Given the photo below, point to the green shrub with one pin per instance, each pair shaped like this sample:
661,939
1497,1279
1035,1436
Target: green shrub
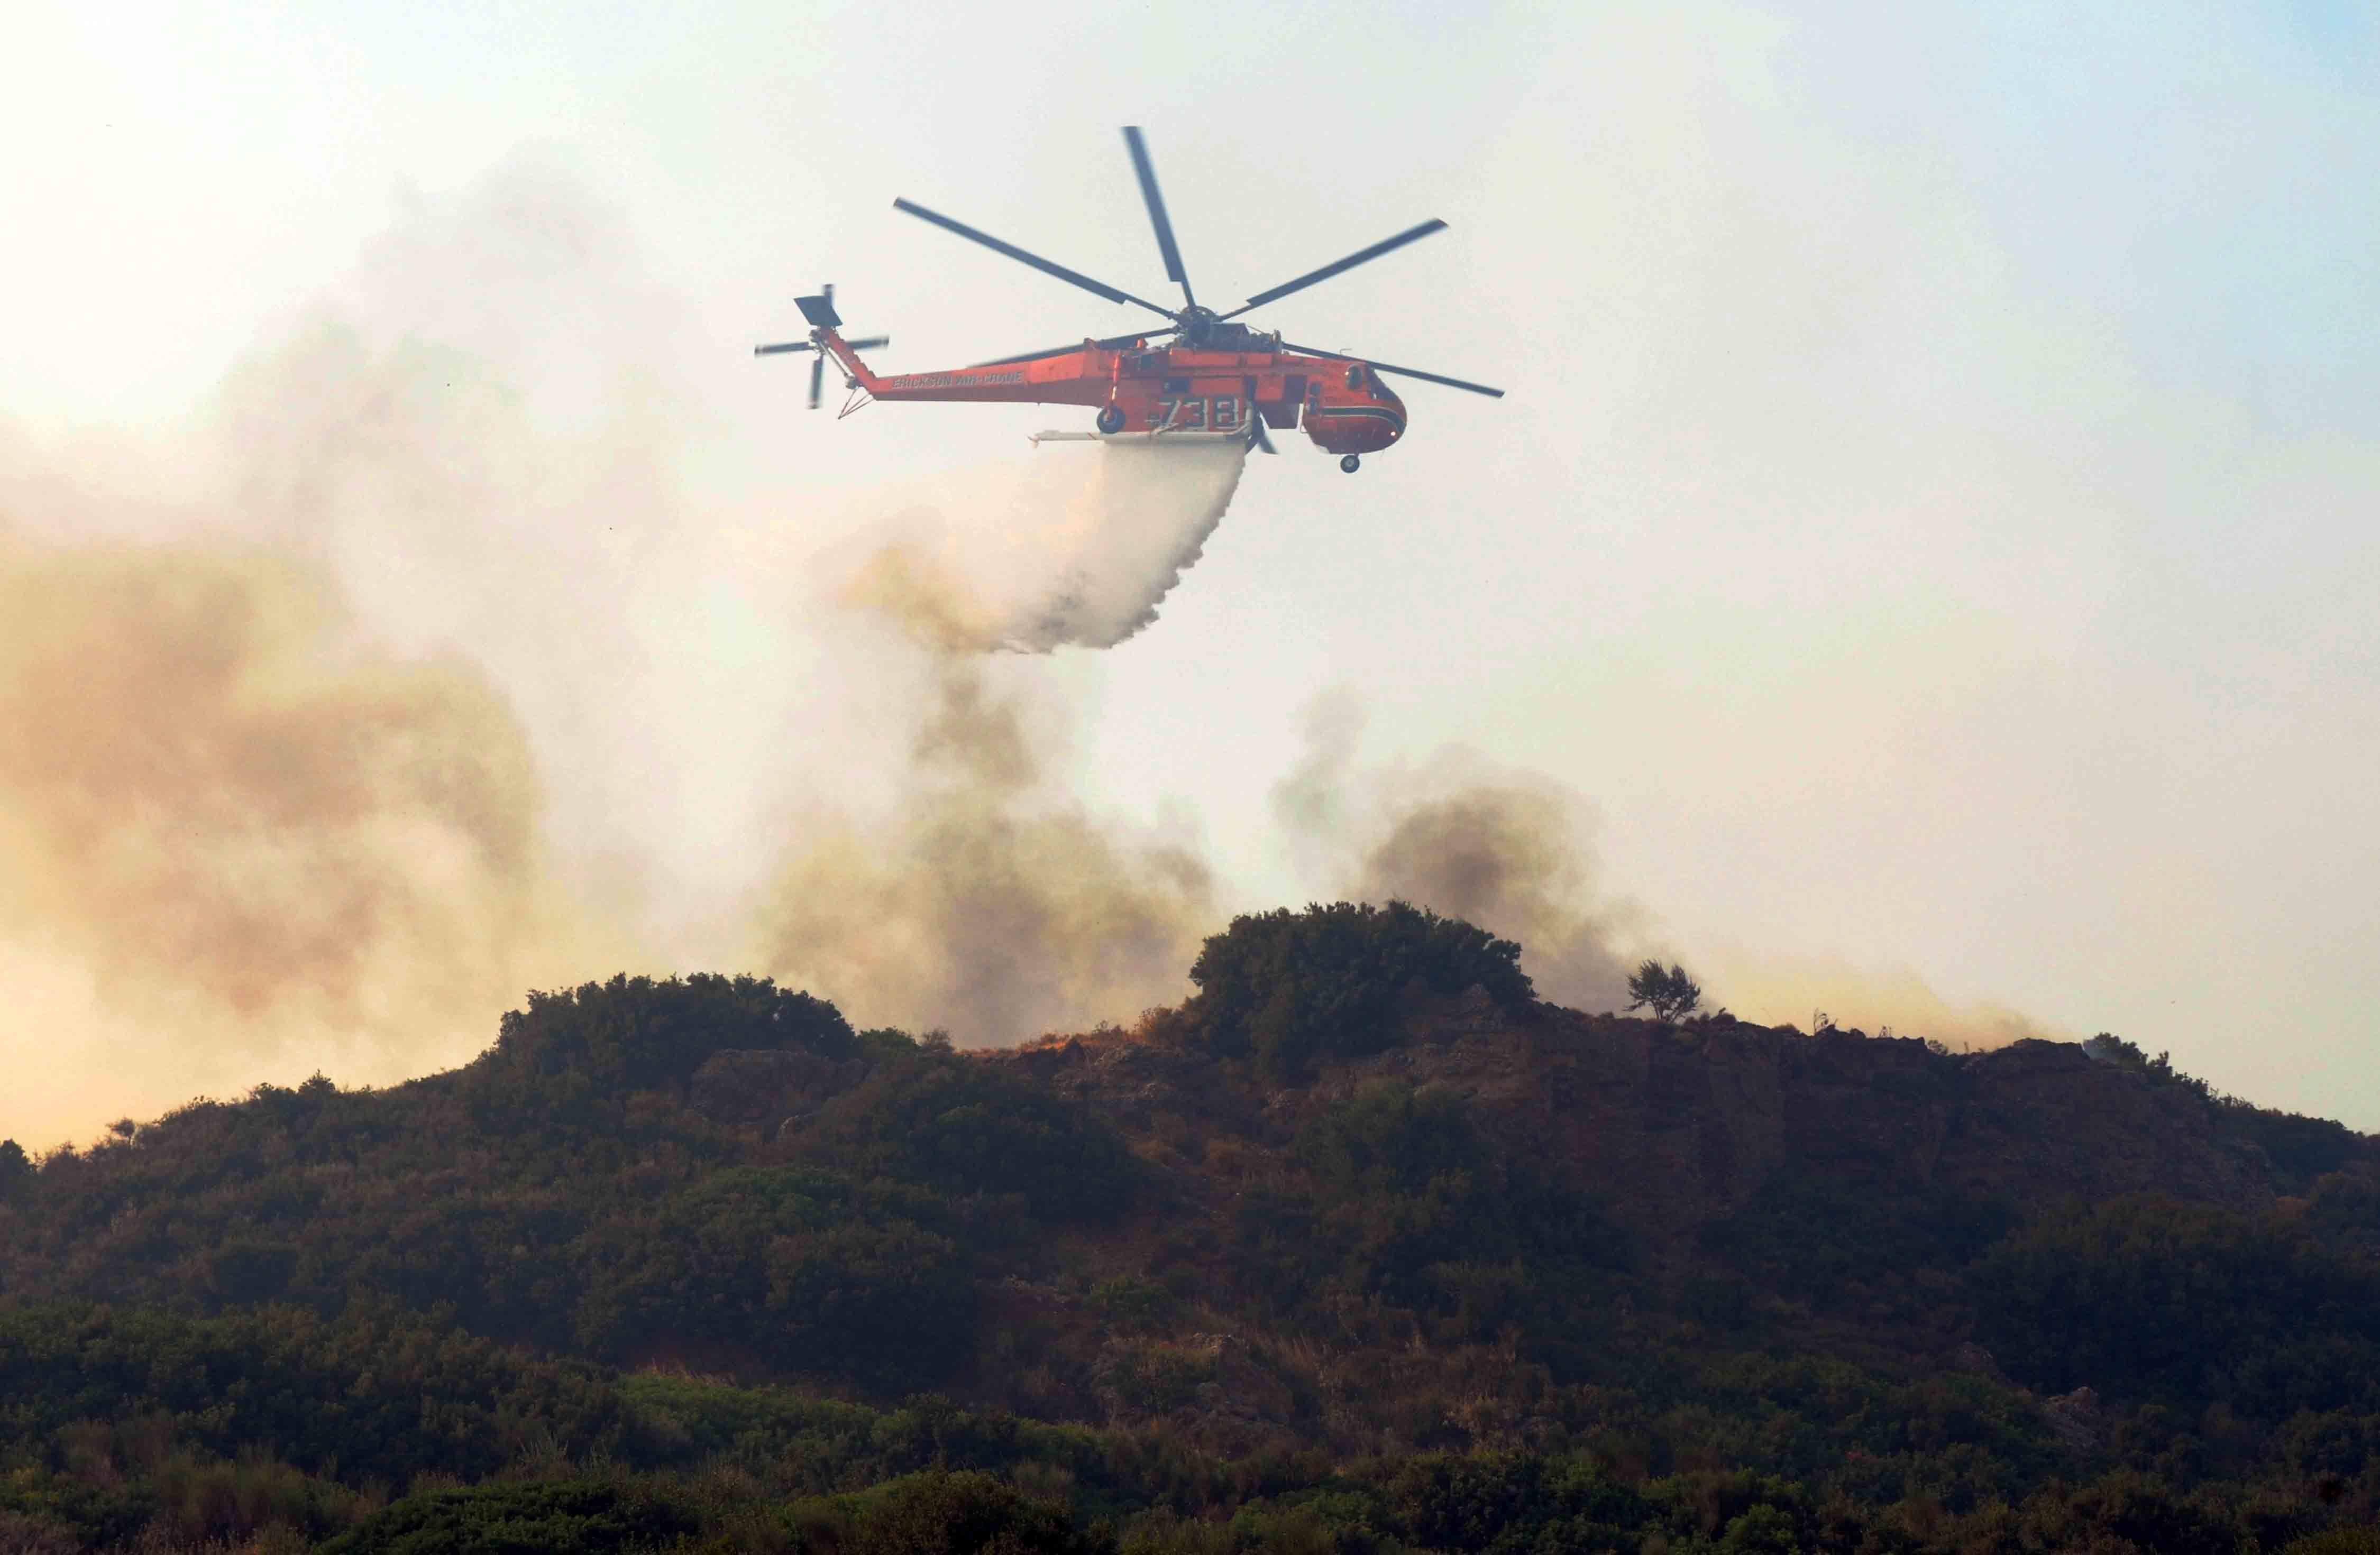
1415,1204
556,1516
2363,1540
808,1269
940,1512
2137,1508
385,1393
2302,1148
1808,1232
637,1034
1153,1378
951,1122
2183,1302
1288,988
1508,1501
248,1270
1424,1184
1130,1299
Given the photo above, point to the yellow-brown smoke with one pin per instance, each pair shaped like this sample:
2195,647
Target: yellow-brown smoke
971,891
223,814
1779,989
981,897
1513,854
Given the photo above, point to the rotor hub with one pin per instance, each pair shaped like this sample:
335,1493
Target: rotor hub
1197,325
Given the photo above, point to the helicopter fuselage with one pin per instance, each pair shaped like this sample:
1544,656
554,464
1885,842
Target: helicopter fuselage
1341,402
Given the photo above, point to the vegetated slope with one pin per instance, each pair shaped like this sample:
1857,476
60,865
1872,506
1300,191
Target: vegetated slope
1361,1245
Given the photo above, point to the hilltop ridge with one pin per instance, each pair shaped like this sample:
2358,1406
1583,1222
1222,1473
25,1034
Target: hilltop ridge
1362,1198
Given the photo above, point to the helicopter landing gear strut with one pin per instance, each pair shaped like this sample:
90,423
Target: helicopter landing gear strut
1110,420
1350,463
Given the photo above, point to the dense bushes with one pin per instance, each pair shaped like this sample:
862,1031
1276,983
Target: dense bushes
599,1517
1418,1184
633,1033
804,1270
378,1389
2300,1148
1411,1203
311,1425
1288,988
535,1199
941,1512
1411,1272
1819,1237
2184,1302
936,1511
1508,1502
943,1121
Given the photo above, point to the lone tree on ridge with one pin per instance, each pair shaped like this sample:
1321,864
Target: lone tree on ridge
1669,995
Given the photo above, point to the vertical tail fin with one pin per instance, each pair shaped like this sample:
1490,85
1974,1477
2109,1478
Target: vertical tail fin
824,342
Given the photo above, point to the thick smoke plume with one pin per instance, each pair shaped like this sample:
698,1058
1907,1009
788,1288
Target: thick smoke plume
286,692
976,894
980,897
206,788
1510,854
233,834
973,893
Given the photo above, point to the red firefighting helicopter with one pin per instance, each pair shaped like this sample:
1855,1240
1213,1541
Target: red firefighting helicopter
1219,382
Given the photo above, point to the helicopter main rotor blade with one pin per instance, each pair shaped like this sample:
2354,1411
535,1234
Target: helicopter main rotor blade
1076,278
780,346
1141,165
1068,350
1402,373
818,378
1363,256
870,343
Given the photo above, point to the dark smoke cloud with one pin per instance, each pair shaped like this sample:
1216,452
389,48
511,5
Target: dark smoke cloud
982,898
1509,853
1511,857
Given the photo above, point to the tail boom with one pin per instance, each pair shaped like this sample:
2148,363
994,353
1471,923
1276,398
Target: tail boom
1084,378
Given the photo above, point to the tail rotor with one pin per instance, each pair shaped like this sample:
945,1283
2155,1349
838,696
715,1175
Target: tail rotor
819,311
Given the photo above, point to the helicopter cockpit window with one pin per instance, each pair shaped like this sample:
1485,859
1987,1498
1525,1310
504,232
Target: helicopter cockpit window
1355,375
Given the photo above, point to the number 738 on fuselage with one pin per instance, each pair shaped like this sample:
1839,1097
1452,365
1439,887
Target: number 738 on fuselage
1215,381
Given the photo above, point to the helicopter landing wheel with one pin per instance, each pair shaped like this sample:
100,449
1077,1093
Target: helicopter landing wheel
1351,463
1110,420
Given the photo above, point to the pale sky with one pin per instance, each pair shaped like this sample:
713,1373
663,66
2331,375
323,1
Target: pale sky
1930,524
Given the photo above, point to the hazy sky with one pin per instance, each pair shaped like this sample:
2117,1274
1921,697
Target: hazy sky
1930,525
